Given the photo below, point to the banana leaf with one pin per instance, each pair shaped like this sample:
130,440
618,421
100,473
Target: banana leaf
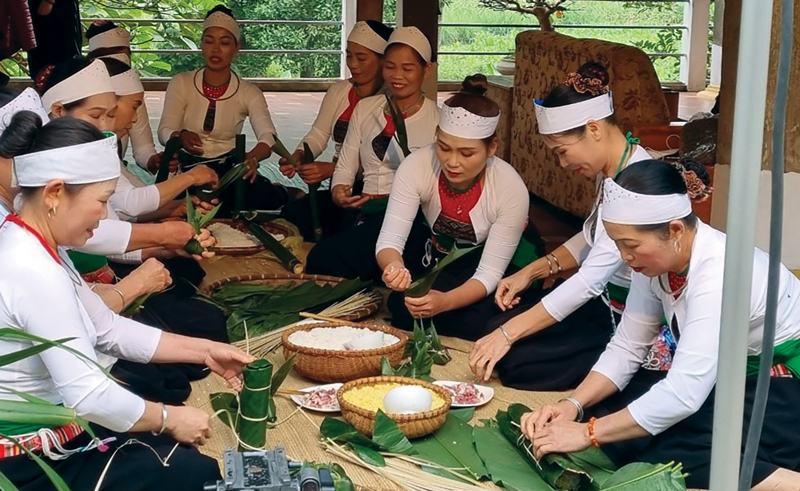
313,200
417,366
465,414
258,407
7,485
197,221
421,286
280,376
234,175
368,455
505,463
640,476
387,435
17,335
279,148
401,133
288,259
33,400
256,216
343,432
136,306
58,483
170,149
451,446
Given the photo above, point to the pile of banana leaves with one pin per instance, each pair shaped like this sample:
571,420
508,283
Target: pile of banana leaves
496,450
264,308
422,351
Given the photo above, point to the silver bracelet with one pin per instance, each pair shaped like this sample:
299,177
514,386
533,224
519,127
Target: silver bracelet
505,335
577,405
164,415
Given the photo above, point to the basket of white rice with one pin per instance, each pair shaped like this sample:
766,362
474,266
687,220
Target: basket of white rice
331,352
234,237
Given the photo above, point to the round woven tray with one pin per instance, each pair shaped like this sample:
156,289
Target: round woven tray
342,366
283,278
412,425
242,226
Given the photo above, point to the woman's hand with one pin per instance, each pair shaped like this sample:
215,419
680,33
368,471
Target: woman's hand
207,241
486,353
396,276
152,276
315,172
252,169
154,163
342,197
188,425
228,362
435,302
204,206
202,175
507,294
175,234
536,421
191,142
561,437
288,169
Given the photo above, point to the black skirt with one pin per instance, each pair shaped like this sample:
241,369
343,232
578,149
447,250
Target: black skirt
333,219
689,441
560,356
135,468
258,195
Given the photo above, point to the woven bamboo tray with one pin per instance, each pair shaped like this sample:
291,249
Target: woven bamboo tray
242,226
412,425
342,366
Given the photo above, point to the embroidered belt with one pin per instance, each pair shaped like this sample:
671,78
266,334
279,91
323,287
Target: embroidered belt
35,441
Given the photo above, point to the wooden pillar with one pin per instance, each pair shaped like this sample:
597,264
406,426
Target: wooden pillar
424,15
370,10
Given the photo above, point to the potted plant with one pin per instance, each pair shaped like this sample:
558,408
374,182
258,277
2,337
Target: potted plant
543,10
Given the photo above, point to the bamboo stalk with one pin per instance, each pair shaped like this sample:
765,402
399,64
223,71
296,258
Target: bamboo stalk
284,256
170,149
325,318
291,392
313,201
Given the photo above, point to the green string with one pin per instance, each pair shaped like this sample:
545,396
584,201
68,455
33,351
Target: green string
629,142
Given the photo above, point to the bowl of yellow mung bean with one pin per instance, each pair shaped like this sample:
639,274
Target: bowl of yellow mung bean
361,399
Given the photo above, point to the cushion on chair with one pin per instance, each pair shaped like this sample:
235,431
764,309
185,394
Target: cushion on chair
543,60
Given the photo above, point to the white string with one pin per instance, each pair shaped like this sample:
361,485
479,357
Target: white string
133,441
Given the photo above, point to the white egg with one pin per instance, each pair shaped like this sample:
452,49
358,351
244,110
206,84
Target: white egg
408,399
371,340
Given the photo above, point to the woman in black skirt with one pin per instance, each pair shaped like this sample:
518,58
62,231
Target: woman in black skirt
678,268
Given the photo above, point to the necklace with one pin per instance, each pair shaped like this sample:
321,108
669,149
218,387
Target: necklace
216,99
629,142
410,110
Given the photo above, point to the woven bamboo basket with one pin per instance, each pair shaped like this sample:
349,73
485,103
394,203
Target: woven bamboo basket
241,226
412,425
342,366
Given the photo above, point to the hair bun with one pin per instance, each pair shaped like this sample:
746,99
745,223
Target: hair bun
591,78
476,84
697,179
221,8
20,134
99,27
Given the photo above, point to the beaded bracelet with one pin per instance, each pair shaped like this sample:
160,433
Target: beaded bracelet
592,436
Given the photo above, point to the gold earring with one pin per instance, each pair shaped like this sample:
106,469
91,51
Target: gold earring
677,246
51,213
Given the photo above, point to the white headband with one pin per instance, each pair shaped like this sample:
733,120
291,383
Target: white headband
113,38
461,123
124,58
559,119
87,163
225,21
127,83
28,100
628,208
411,36
90,81
363,34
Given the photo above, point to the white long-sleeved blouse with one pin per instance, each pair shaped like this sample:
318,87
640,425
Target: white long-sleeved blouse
357,152
697,315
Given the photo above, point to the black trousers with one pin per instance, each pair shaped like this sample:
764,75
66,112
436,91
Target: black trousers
351,253
689,441
334,219
176,311
58,34
135,468
559,357
258,195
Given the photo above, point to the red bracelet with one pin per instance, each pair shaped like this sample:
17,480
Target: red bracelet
592,437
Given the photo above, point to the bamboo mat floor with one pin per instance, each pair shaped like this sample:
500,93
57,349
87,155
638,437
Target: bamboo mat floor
298,430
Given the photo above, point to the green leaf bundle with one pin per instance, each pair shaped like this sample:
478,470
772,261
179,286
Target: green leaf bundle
279,148
504,462
386,437
235,174
640,476
197,220
421,286
284,256
401,133
313,200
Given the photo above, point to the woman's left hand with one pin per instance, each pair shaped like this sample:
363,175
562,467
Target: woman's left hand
252,173
487,352
207,241
428,306
228,362
315,172
560,436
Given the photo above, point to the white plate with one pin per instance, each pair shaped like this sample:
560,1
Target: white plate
487,392
299,399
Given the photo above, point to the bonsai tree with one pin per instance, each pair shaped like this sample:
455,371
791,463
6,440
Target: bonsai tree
541,9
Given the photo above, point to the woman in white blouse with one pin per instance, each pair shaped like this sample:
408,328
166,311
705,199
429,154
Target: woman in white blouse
207,108
678,263
371,147
469,197
66,178
551,342
365,47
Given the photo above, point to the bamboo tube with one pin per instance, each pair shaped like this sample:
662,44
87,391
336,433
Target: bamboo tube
170,149
313,202
284,256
